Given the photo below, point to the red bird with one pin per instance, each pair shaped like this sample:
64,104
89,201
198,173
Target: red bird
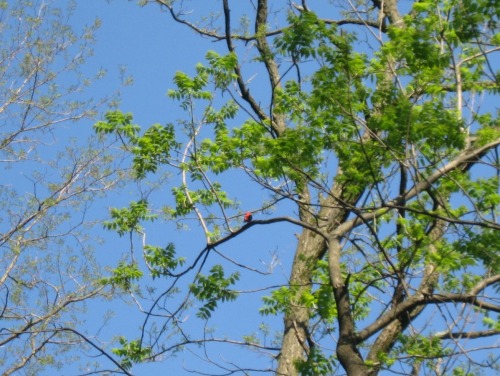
248,217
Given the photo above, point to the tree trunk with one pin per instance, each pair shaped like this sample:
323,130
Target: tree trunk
311,248
347,352
295,339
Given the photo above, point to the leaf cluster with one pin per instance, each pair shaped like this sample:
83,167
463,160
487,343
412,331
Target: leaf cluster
123,276
162,260
131,352
127,220
151,149
212,289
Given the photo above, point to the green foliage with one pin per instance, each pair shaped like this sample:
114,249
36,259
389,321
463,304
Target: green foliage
459,371
490,130
123,276
127,220
221,68
185,204
280,301
319,300
131,352
447,259
299,40
323,302
162,261
420,345
153,148
481,245
492,323
468,15
150,150
317,364
485,193
190,88
117,122
218,118
213,288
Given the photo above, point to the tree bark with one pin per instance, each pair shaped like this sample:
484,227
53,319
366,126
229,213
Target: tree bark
347,352
311,248
295,338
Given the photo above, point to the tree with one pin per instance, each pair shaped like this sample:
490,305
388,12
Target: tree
50,176
373,128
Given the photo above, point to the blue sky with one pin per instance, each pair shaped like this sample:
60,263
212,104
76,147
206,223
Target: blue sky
147,44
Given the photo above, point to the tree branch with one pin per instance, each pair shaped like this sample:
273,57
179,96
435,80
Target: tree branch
463,160
420,299
468,335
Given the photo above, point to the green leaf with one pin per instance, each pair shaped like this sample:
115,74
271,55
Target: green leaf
162,261
127,220
213,289
123,276
131,352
